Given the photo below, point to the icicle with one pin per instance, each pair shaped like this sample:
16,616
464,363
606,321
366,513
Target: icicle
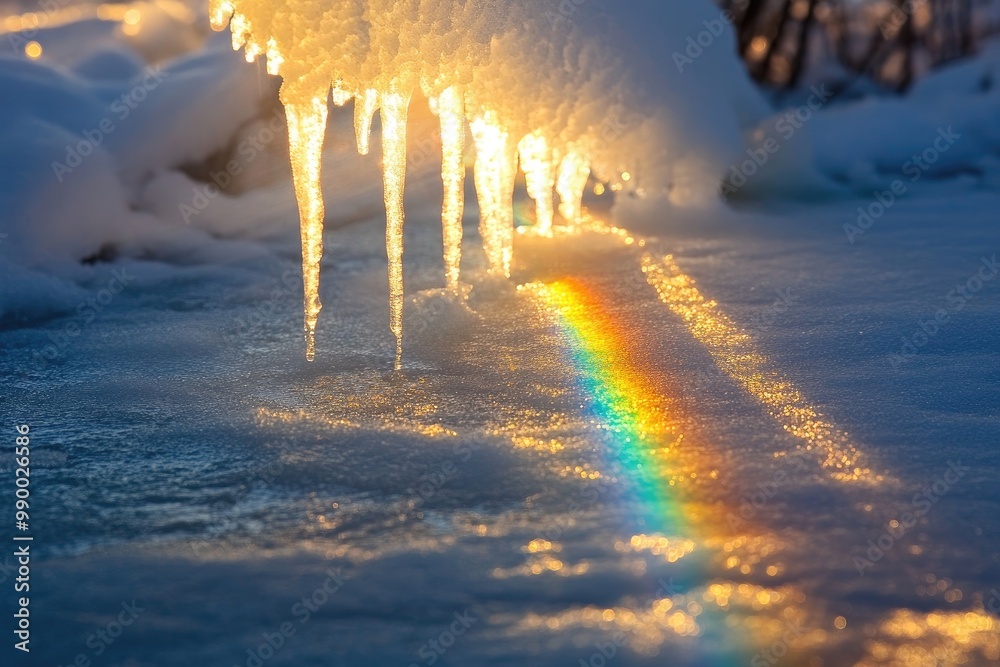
340,96
573,174
540,178
394,112
220,11
306,131
365,106
274,57
508,180
252,50
496,171
451,110
240,28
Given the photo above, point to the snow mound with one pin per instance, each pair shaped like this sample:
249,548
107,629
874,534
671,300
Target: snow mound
944,128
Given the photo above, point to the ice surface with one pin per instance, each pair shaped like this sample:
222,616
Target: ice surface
481,480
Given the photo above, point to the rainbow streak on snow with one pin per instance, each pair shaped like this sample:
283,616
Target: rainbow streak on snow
625,401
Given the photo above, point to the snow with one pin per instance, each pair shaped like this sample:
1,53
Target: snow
188,458
856,147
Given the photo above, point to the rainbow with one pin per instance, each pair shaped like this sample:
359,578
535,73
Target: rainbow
623,400
627,401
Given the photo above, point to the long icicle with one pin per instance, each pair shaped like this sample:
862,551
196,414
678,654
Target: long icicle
495,170
306,131
394,113
508,181
540,179
365,106
573,174
451,111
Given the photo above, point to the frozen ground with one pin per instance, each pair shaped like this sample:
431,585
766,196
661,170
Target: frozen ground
575,468
203,468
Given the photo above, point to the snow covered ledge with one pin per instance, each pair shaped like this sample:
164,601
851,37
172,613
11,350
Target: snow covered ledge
565,97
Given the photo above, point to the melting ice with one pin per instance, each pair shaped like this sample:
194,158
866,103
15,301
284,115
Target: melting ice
530,92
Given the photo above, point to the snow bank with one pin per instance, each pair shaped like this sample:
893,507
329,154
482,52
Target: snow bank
945,127
80,139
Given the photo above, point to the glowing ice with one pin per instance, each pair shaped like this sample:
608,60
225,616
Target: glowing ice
394,108
491,61
573,174
364,113
451,110
306,129
536,162
496,169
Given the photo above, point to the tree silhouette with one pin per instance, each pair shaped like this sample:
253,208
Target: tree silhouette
891,41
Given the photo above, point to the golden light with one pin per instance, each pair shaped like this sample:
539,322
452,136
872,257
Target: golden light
33,50
306,130
910,637
758,45
130,16
496,169
626,176
574,172
556,160
450,108
599,189
800,9
734,353
539,173
394,113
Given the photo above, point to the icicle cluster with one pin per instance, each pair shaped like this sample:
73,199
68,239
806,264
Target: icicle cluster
531,88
